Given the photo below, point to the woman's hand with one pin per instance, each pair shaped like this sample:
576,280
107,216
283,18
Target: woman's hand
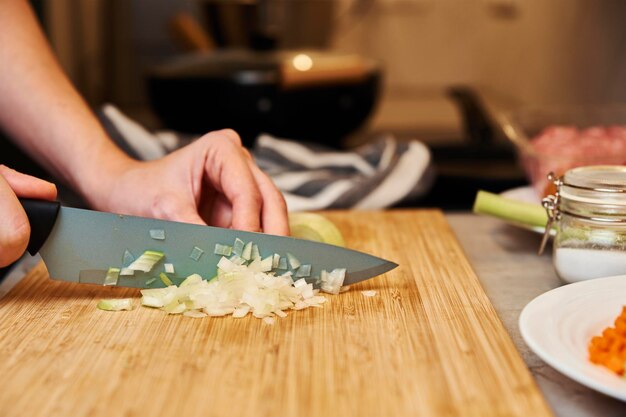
14,226
212,181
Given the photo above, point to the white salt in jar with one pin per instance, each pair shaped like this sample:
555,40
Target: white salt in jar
589,212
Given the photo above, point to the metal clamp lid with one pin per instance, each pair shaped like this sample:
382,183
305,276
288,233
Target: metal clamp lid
551,204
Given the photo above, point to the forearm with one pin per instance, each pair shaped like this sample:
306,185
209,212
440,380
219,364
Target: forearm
43,113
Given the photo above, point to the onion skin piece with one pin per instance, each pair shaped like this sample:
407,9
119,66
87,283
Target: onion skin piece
313,226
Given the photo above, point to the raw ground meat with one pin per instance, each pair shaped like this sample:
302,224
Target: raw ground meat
559,148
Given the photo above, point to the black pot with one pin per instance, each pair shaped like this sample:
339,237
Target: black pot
244,91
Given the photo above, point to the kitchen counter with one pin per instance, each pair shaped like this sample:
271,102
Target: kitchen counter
428,343
505,260
512,274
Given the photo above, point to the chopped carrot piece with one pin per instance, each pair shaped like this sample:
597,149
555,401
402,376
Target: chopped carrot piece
598,342
615,364
609,349
609,333
620,326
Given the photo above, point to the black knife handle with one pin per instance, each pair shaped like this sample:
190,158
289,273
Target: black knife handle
41,215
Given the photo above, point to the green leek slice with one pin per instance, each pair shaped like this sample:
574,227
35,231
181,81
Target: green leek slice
146,261
520,212
166,280
112,276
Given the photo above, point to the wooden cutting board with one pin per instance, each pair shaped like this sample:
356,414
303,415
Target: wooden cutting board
428,344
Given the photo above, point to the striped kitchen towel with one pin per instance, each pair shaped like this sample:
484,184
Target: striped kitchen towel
380,174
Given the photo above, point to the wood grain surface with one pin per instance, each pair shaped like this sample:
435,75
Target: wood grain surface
428,344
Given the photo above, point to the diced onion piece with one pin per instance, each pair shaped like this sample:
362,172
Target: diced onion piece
344,288
275,261
150,301
294,263
300,283
303,271
169,268
255,252
254,265
146,261
112,276
223,250
259,265
332,282
191,280
196,253
369,293
166,280
128,258
157,297
282,264
195,314
247,251
238,247
280,313
241,311
268,320
226,265
237,260
124,272
218,312
287,274
158,234
307,292
175,307
150,281
115,304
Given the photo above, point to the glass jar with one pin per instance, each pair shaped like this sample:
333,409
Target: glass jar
589,212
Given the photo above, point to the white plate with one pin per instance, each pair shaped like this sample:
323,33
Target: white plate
559,324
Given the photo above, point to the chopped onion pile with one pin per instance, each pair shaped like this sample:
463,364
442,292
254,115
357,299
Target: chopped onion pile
238,290
245,284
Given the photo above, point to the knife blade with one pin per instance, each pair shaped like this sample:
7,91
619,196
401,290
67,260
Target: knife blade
79,245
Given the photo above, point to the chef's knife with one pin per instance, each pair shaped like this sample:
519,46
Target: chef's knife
81,245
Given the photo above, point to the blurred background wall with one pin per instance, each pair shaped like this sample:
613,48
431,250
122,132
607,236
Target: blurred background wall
531,51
